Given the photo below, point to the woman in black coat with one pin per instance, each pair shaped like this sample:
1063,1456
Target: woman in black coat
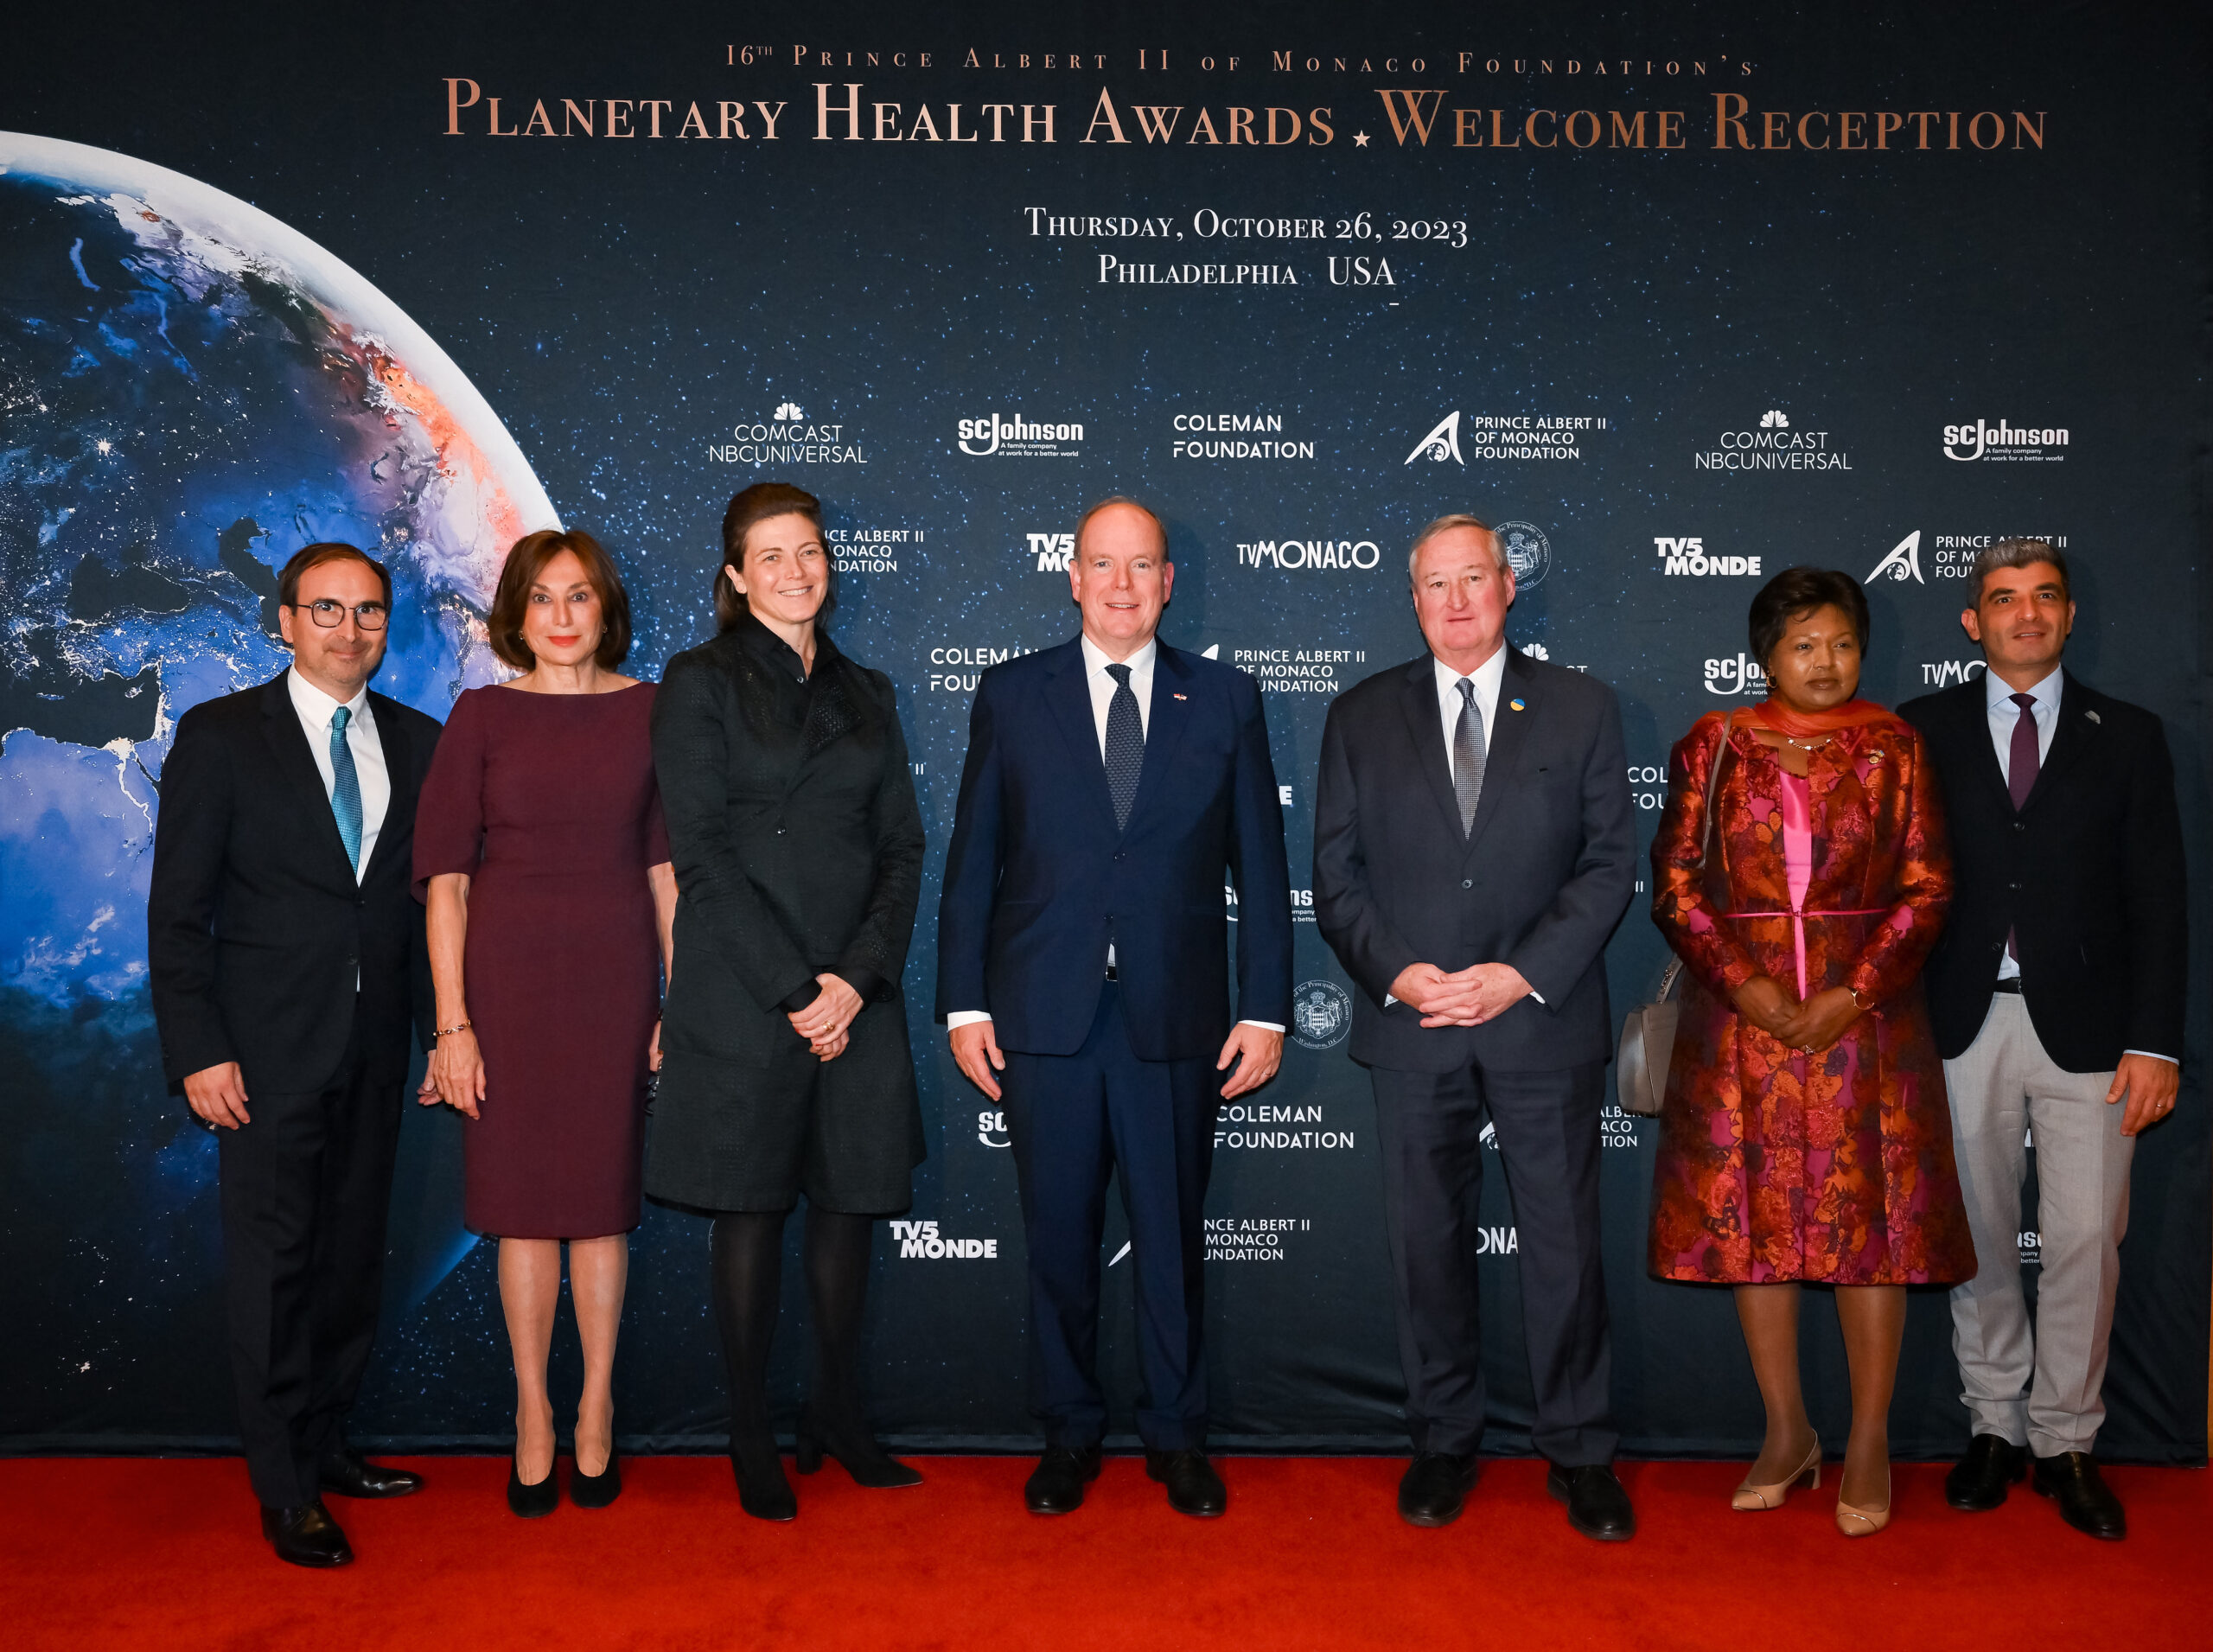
786,1070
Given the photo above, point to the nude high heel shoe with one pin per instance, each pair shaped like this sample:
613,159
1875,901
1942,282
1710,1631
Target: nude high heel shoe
1750,1499
1865,1522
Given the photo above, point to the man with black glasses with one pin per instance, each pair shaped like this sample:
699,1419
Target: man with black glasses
288,960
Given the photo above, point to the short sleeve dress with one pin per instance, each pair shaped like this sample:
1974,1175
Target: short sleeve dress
547,802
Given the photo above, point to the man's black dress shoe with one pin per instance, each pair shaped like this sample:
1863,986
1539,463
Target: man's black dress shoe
1057,1486
1597,1505
306,1536
2086,1502
1435,1488
349,1474
1978,1480
1193,1488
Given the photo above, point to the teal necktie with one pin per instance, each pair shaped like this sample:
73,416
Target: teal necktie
345,787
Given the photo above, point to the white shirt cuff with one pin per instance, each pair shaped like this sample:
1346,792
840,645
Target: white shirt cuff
2154,1055
1265,1026
961,1018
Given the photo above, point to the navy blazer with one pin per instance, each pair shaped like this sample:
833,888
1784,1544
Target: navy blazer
1038,879
2088,873
1539,883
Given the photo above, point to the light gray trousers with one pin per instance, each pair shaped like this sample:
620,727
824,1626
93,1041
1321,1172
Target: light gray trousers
2038,1387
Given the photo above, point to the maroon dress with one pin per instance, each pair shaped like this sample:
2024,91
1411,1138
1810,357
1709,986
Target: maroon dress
546,802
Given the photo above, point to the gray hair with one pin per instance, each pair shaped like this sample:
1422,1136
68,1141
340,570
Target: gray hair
2018,553
1445,524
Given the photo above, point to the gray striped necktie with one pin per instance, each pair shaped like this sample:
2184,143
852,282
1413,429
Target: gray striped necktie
1467,754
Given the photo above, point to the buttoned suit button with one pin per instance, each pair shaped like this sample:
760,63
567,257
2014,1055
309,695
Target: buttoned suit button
1467,883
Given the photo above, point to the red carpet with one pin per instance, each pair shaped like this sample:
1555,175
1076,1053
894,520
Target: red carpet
165,1554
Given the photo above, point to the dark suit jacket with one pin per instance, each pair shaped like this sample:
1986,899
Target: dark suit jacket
255,925
1038,879
1539,883
2088,875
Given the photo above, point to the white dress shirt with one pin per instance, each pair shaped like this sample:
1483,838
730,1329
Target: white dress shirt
315,708
1102,686
1488,676
2004,718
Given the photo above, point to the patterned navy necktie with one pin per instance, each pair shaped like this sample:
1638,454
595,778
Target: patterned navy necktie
1124,745
345,787
1468,756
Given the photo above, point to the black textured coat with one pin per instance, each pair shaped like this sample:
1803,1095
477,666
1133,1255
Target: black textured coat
798,850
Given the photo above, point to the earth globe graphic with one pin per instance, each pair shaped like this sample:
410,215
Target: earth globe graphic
189,391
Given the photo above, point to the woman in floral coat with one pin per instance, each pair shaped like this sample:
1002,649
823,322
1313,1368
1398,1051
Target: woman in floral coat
1806,1137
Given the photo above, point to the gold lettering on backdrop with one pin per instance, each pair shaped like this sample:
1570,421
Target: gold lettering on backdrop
1102,114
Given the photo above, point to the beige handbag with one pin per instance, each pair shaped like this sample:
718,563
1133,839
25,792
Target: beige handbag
1649,1032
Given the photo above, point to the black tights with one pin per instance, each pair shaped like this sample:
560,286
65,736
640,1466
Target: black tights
747,1249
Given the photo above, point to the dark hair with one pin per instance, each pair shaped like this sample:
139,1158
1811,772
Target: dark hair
2018,553
313,556
525,563
1109,503
1796,592
754,505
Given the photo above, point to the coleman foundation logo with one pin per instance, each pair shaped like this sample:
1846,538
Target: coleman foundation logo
1688,557
1019,436
1774,445
922,1239
1234,436
1967,443
1320,1014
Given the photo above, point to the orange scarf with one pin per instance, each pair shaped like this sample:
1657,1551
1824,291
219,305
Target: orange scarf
1772,713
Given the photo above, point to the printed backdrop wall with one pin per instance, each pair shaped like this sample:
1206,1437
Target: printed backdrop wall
1680,296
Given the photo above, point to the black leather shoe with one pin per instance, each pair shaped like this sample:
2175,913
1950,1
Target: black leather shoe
763,1491
1435,1488
2086,1502
533,1502
306,1536
597,1490
1193,1488
347,1473
1056,1488
1598,1507
855,1451
1978,1480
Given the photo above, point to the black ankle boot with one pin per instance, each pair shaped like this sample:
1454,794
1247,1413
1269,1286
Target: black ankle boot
763,1491
856,1450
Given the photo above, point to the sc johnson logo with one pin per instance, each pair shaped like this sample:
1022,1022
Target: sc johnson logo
1679,556
1951,555
1019,437
1968,443
1287,556
921,1239
1741,675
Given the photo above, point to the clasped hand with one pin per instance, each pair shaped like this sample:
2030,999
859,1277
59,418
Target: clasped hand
827,1023
1462,998
1813,1025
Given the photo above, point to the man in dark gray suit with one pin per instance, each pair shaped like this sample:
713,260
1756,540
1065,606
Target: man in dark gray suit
1473,849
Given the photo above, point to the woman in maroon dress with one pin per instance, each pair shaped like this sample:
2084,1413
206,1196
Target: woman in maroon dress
1806,1138
540,852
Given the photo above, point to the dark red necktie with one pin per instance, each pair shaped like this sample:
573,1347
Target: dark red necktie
2021,771
2021,764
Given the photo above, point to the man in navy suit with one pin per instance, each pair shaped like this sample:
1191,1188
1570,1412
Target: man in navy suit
1113,787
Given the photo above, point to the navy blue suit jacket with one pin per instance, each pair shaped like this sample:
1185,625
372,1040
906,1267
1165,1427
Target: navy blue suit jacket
1038,879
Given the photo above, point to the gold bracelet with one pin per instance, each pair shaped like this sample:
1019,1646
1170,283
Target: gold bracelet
459,1026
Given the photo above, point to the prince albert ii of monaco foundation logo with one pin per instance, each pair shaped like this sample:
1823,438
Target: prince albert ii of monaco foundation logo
1320,1014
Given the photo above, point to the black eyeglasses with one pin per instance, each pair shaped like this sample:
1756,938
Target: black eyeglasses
328,614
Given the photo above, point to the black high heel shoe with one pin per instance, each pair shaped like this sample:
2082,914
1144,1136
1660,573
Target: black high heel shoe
533,1502
597,1490
763,1491
868,1463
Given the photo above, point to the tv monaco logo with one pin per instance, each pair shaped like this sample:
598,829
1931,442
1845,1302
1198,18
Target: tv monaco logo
1688,556
1321,1015
1019,437
1943,674
1508,435
1528,552
921,1239
1967,443
1286,555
